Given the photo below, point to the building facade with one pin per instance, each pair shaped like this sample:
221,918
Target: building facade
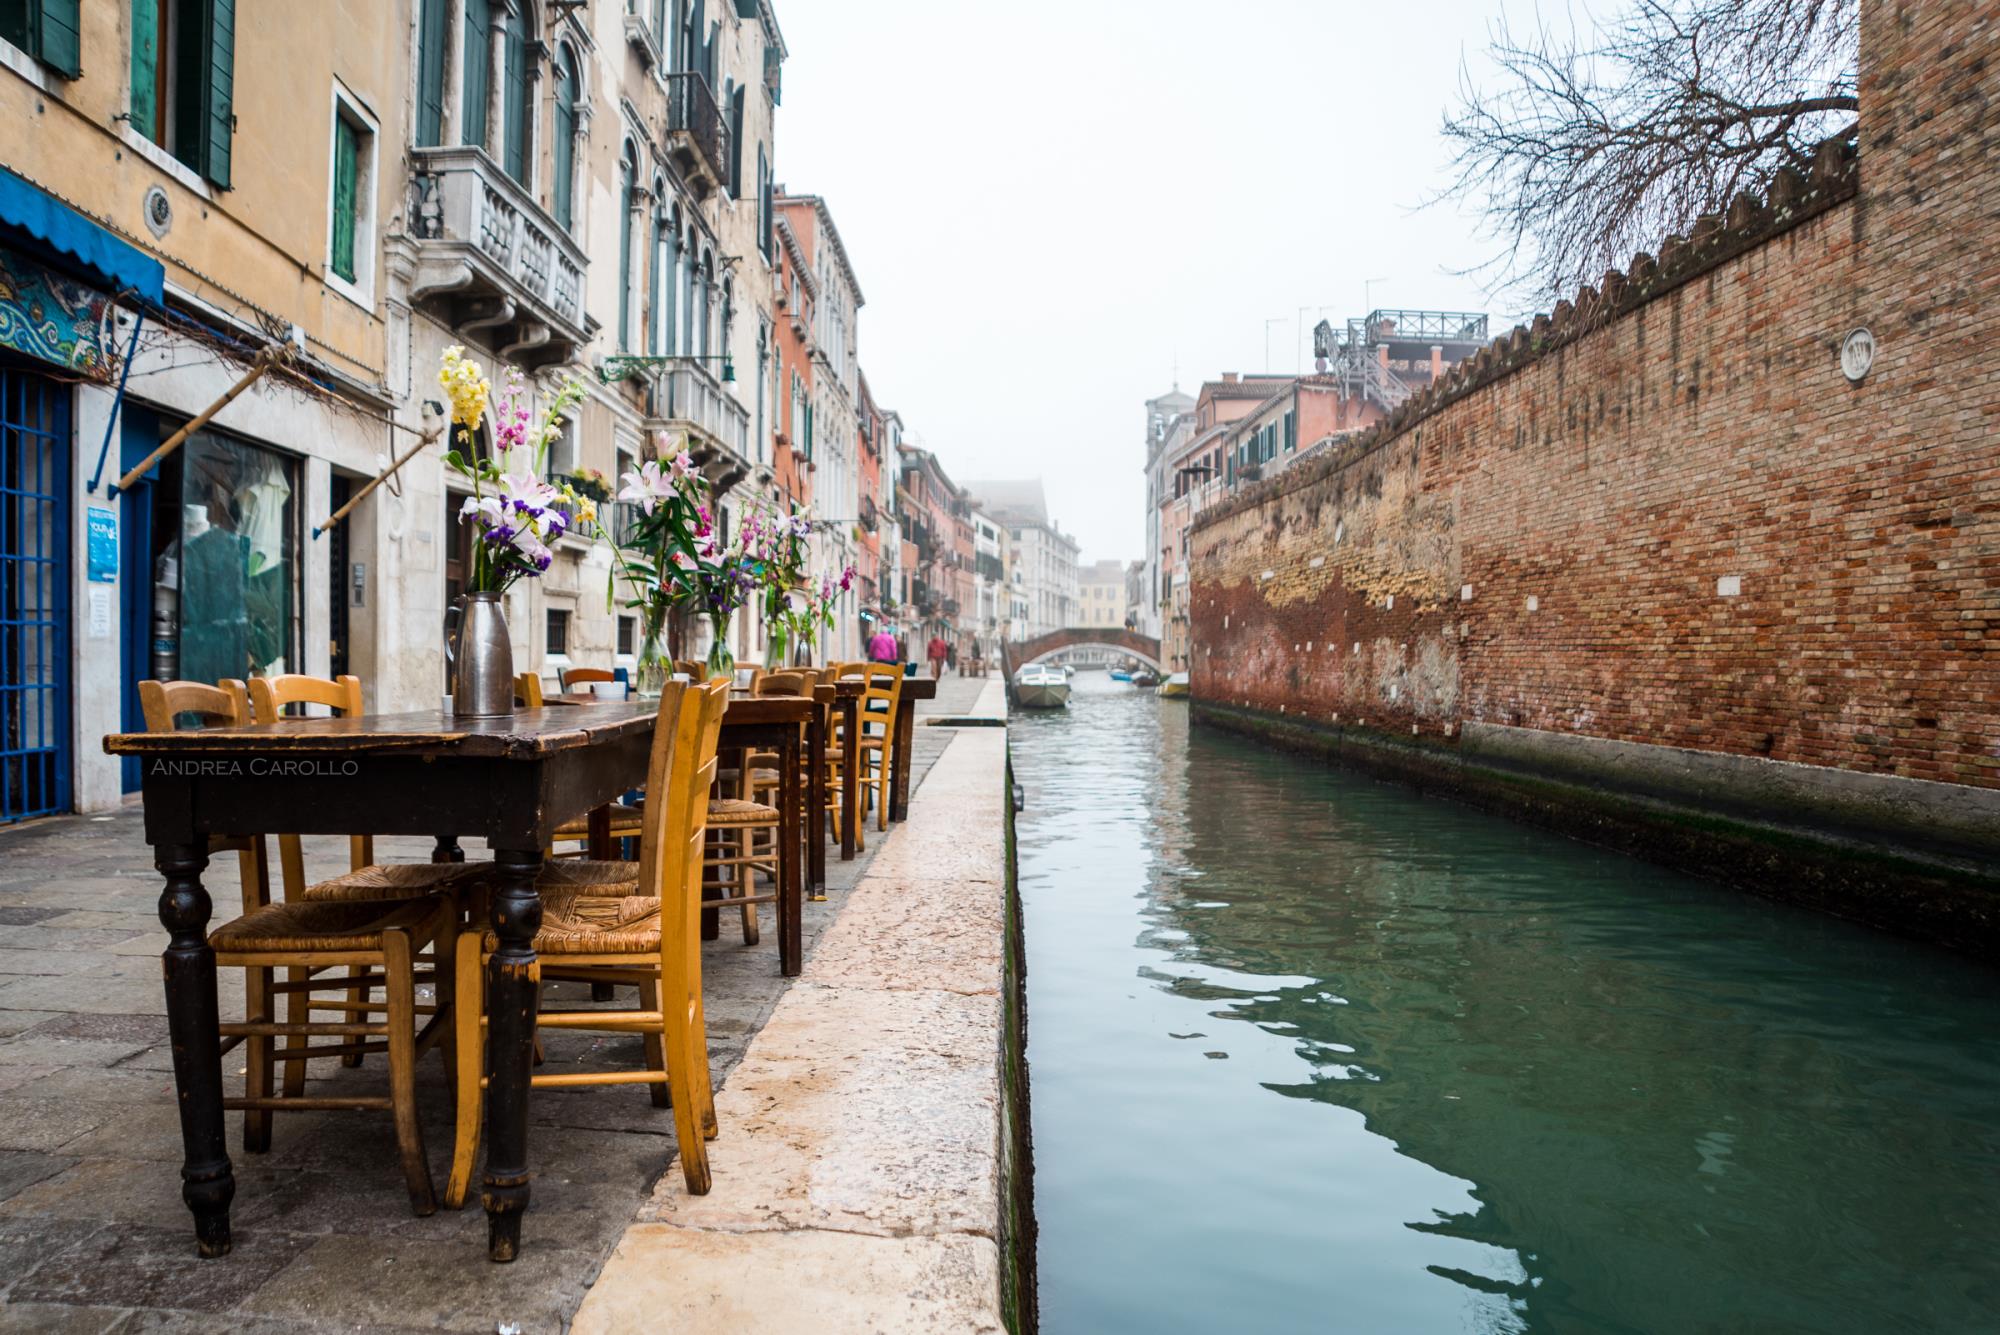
1100,595
1044,556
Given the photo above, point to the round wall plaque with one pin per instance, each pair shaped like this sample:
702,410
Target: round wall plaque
1857,354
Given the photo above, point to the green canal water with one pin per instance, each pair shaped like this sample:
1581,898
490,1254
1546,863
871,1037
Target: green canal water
1312,1053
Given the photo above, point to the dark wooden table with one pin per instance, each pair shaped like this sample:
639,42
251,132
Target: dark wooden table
913,690
844,698
512,781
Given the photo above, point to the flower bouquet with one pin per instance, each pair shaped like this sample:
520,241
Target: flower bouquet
659,554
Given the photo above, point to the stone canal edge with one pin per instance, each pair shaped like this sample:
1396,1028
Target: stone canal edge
871,1172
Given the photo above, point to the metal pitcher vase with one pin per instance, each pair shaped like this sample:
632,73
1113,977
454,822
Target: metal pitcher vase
478,657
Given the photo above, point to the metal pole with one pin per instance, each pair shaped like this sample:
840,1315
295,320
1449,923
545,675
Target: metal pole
376,481
266,359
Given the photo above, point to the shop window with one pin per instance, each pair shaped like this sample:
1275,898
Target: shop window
236,561
183,80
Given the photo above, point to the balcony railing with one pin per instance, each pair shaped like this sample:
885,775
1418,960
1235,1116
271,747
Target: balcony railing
688,398
491,259
697,132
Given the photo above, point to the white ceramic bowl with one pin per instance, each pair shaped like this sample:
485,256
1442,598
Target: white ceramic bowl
608,690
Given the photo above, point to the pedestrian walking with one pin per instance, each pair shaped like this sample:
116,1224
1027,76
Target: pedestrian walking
882,647
935,652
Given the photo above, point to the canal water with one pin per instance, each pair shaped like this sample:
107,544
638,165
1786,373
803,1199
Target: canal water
1312,1053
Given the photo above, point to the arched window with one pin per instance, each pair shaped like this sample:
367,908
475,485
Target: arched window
433,37
516,108
703,283
569,92
628,193
683,295
478,73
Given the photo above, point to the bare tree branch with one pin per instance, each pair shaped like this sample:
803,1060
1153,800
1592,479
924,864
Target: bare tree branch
1595,144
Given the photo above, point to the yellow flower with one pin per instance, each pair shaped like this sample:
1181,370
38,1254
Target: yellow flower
465,385
586,511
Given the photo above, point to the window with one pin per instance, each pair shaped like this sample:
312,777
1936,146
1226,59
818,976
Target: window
517,109
628,173
558,633
184,78
433,35
626,628
764,228
568,93
478,72
350,241
563,453
46,30
736,144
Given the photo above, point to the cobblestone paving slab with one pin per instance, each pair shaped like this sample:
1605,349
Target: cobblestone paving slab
93,1234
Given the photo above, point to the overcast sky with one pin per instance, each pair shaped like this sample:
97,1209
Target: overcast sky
1048,205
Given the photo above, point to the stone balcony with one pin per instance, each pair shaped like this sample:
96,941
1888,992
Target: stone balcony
687,398
491,261
697,133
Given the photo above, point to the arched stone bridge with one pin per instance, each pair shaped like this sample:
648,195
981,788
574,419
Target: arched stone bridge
1056,642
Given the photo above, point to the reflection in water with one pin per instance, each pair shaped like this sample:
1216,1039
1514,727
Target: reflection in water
1311,1053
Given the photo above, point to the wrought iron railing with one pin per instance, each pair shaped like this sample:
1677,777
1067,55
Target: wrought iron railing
692,111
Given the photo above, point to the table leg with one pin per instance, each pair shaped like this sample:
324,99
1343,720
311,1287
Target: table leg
791,940
899,786
207,1182
447,849
598,842
510,1047
850,779
815,815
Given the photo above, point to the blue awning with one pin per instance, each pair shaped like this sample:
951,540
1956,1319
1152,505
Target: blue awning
64,230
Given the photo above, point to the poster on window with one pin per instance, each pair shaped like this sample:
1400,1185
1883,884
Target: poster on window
239,560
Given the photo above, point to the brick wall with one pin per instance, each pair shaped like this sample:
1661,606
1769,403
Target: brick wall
1663,514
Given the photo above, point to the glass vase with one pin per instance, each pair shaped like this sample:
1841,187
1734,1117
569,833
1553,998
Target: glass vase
650,673
777,644
721,662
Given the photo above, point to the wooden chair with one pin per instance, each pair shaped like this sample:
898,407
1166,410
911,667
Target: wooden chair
623,922
624,817
743,828
365,881
880,702
379,937
571,678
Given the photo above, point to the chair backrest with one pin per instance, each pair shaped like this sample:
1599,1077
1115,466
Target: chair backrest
680,770
528,690
165,702
225,705
781,683
571,678
695,669
882,697
271,698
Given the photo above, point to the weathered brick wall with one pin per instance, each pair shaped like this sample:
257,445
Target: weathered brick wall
1666,516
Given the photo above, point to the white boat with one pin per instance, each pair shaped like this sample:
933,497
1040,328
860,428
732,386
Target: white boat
1175,687
1037,686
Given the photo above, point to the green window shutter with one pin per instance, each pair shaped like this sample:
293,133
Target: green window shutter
60,48
346,168
145,66
431,38
514,98
565,145
221,114
478,56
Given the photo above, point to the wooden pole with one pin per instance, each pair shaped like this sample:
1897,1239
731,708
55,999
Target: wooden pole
356,499
266,359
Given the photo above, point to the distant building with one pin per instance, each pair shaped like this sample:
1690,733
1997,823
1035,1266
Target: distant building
1100,588
1166,421
1044,556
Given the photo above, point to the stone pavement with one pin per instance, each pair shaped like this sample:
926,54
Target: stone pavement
93,1234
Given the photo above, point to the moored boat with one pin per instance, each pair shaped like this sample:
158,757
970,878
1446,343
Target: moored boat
1175,687
1039,687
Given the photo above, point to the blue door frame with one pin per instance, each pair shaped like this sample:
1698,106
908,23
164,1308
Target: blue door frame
35,567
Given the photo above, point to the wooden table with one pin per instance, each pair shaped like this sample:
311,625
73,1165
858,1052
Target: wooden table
512,781
771,723
844,697
913,690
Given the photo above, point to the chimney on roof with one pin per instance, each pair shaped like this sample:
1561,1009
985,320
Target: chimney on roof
1229,377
